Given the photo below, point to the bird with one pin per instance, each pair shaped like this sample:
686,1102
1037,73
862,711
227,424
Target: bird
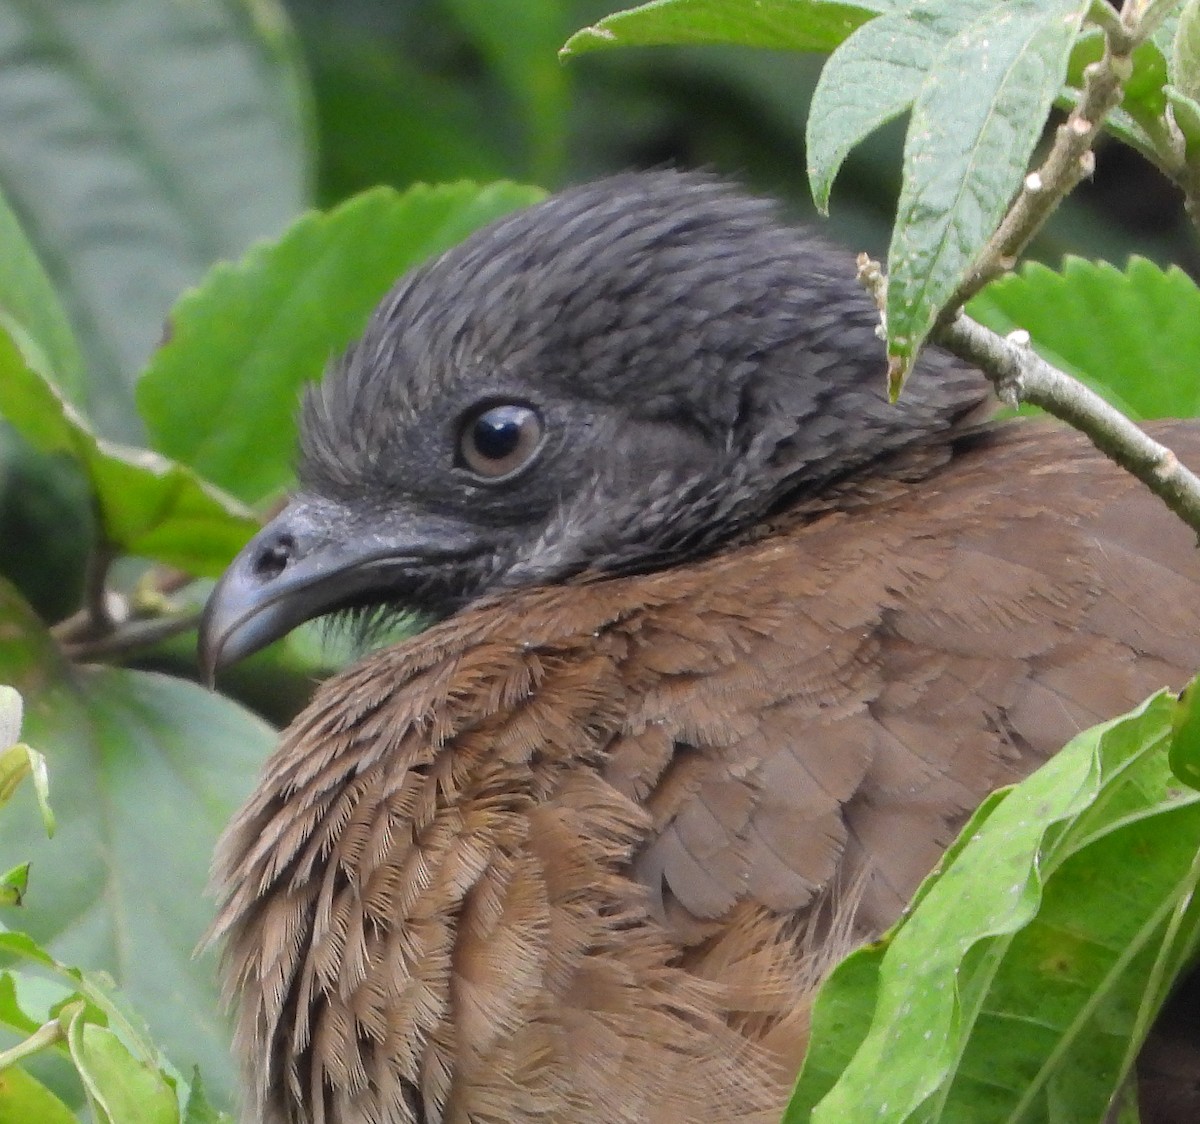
725,648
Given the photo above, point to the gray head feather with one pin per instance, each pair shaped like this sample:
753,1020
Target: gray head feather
694,360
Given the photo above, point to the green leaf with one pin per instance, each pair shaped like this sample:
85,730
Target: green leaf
198,1110
148,506
122,885
122,1089
1142,93
29,305
139,141
25,1100
870,79
1185,739
1185,52
974,125
1030,969
1134,336
18,761
796,25
71,1000
841,1014
221,396
13,885
1186,112
12,1014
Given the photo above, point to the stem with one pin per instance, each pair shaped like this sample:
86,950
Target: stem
1189,180
148,618
1070,158
99,616
128,638
1142,17
166,581
1021,375
1018,373
46,1035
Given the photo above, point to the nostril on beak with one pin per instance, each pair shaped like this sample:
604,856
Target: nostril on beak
275,557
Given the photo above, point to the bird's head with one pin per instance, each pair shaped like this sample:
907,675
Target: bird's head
626,374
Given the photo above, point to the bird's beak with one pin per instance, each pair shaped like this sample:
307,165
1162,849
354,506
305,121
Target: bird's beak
313,558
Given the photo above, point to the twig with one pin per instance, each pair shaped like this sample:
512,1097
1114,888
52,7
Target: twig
1191,197
1070,158
111,625
164,580
1021,375
98,614
1018,373
48,1034
128,638
96,605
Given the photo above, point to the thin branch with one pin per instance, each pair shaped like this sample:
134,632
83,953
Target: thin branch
96,608
115,626
1189,180
1069,161
1106,18
48,1034
165,580
1021,375
1018,373
98,616
129,638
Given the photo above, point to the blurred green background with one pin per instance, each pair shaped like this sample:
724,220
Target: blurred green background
436,89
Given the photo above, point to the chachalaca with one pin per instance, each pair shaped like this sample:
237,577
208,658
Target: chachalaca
729,647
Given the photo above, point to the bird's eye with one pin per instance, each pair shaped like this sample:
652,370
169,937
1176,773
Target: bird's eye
499,440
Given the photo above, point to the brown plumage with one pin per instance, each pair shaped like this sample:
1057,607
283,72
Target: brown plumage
582,850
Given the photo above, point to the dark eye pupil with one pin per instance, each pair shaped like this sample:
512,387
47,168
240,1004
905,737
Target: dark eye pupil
499,440
497,432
